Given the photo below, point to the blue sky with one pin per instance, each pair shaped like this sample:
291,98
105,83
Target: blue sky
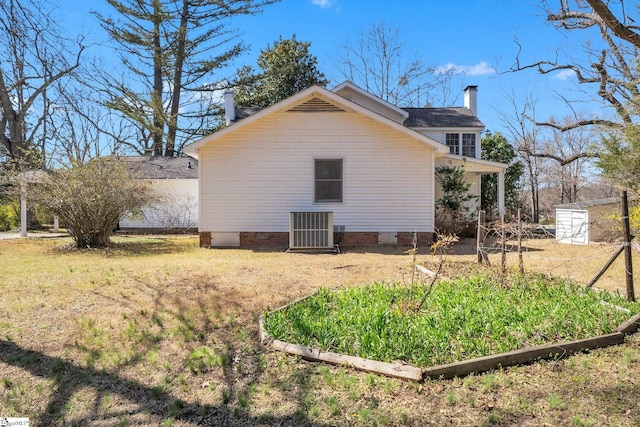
475,37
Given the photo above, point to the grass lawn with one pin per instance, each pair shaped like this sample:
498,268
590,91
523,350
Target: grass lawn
159,332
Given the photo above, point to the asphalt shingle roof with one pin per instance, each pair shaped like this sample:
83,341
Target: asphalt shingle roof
448,117
589,203
451,117
159,167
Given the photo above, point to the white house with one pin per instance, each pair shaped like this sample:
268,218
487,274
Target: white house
338,160
175,181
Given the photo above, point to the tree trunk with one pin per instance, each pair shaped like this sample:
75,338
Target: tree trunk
156,96
177,80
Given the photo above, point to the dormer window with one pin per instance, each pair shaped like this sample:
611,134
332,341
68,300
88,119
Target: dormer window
461,144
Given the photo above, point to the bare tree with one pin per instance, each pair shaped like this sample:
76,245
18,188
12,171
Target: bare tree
33,58
607,64
378,63
570,154
526,140
81,129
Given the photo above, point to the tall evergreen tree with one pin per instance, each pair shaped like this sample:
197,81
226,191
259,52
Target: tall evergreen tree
171,47
287,67
497,149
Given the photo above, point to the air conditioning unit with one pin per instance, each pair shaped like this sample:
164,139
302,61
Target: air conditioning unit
311,230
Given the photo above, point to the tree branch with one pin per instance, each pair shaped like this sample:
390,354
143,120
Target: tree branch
562,161
576,124
608,18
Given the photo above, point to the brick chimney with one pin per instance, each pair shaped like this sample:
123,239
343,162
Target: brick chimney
229,107
471,99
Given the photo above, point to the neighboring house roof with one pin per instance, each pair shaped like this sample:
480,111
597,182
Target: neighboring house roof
317,97
244,112
451,117
589,203
160,167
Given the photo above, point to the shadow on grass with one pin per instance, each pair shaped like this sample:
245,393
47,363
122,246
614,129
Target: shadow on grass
136,246
183,318
151,402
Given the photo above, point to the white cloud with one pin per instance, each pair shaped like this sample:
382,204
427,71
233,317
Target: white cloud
480,69
322,3
564,75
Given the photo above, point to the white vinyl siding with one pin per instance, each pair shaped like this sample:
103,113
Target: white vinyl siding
177,206
572,226
253,178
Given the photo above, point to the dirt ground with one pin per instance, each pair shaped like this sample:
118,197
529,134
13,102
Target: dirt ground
579,263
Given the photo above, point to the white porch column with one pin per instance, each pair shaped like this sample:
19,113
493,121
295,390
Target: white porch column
23,210
501,193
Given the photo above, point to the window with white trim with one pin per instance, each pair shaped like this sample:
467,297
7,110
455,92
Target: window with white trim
469,144
328,180
461,143
453,142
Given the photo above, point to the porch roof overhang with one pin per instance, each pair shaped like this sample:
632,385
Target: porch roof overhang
480,167
471,164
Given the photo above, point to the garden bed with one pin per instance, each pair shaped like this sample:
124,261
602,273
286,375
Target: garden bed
462,326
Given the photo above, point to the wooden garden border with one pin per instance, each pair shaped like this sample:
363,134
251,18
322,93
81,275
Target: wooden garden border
456,369
396,370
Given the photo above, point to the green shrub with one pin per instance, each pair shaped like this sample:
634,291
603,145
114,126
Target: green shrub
9,216
90,199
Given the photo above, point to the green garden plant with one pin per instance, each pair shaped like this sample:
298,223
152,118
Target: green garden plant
461,319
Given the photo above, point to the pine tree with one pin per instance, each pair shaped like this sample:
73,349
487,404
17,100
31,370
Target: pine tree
287,68
170,47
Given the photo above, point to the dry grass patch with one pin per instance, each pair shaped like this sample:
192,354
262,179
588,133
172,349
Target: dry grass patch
159,332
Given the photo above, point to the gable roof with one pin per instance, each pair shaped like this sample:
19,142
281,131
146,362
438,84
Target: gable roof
159,167
451,117
414,117
318,99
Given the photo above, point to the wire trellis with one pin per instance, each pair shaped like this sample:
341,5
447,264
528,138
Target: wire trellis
502,239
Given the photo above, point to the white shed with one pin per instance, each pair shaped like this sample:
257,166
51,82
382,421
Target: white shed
590,221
